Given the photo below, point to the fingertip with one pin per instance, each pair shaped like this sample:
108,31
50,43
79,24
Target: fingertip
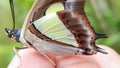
30,58
110,60
75,61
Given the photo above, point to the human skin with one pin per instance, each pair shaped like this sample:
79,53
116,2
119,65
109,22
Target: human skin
30,58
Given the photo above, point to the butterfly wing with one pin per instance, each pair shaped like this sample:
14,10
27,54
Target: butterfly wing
53,8
52,27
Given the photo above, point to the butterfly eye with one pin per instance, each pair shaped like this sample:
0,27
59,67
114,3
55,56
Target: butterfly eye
9,32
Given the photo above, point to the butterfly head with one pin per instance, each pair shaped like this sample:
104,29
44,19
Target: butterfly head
14,34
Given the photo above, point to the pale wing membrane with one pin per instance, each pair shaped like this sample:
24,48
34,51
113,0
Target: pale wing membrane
54,8
51,26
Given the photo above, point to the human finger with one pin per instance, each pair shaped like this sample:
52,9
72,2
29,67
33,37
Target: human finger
110,60
30,58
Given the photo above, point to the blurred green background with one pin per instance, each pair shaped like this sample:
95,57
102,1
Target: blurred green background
104,16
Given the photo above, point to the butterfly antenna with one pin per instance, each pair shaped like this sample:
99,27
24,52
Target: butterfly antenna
12,11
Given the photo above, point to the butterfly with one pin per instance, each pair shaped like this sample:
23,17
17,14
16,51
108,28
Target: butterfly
65,30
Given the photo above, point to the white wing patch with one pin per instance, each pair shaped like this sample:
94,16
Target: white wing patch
51,26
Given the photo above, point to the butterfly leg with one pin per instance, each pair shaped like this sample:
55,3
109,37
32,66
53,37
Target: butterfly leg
16,49
98,49
88,51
